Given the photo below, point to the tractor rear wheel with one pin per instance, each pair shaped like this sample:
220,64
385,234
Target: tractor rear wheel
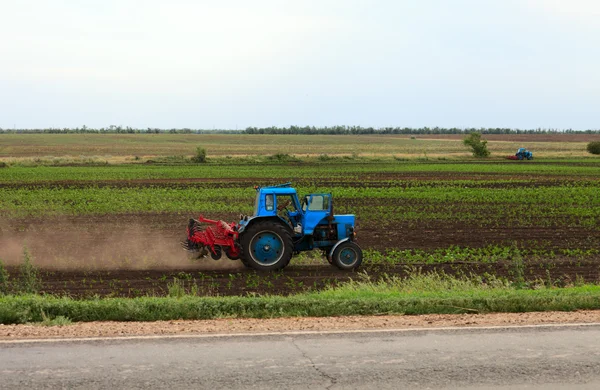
267,246
347,256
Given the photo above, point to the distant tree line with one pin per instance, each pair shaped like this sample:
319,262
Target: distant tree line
405,130
333,130
115,130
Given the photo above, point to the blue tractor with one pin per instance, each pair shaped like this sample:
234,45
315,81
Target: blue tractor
523,154
282,225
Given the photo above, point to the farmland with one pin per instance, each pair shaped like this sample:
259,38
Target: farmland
125,147
102,215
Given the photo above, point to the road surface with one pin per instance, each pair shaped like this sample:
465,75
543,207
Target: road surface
546,357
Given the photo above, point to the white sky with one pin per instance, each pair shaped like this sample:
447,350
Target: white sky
228,63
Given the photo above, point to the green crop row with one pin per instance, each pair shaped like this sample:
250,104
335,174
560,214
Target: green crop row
88,199
486,255
546,206
347,170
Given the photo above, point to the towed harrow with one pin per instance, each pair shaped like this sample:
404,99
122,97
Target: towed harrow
216,238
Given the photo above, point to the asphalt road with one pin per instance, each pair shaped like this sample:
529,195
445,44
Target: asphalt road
528,358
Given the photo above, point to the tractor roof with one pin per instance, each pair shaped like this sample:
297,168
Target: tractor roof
277,191
283,189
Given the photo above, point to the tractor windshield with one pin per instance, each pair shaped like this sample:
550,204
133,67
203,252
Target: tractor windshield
319,203
316,202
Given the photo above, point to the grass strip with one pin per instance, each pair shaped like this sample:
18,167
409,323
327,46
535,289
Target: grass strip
355,299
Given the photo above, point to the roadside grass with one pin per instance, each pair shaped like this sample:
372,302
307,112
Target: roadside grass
433,293
56,321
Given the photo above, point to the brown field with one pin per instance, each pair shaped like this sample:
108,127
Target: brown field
123,147
571,137
294,279
135,255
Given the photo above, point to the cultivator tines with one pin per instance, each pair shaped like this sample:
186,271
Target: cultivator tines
192,244
216,236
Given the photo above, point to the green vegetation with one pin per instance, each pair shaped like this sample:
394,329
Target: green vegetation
478,146
281,158
200,156
56,321
29,282
480,203
343,169
419,294
4,279
594,147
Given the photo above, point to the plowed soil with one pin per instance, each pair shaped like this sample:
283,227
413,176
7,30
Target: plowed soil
293,279
134,255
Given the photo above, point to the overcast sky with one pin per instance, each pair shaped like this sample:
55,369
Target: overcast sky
228,64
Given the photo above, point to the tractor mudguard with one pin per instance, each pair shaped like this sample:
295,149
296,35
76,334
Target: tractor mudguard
330,254
251,220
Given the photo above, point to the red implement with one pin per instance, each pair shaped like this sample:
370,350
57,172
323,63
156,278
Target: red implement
216,236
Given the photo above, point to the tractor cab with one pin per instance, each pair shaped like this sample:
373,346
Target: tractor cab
278,203
282,202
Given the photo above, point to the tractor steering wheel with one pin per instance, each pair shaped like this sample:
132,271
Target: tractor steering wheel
284,205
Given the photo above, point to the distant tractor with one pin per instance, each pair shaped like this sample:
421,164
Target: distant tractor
281,226
522,154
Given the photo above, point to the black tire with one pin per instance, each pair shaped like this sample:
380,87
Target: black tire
243,260
347,256
228,254
326,255
266,246
242,255
216,255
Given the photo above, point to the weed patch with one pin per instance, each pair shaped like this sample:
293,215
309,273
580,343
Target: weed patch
4,279
29,280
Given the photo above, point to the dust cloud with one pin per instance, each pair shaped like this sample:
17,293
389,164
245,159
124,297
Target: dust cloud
101,245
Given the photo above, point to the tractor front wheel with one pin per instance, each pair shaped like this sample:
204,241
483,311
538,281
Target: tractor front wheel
267,246
347,256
